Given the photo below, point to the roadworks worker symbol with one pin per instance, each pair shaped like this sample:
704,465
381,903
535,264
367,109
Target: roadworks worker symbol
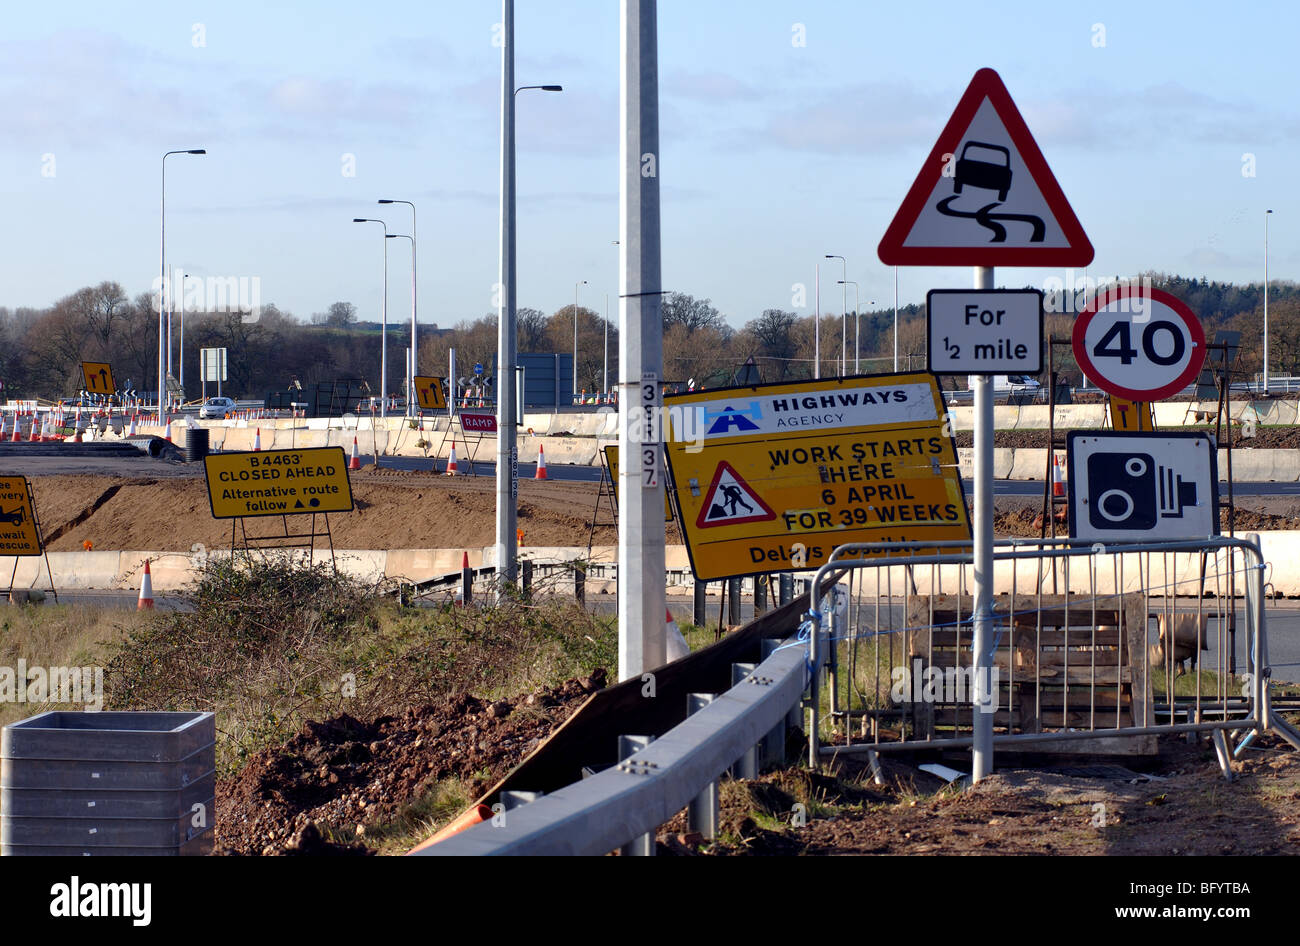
731,501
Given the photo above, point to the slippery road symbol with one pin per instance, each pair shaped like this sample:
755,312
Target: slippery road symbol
974,170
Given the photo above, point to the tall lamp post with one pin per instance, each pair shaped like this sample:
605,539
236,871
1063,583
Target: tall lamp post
414,367
507,547
165,350
844,320
410,362
1267,214
857,322
575,337
180,354
383,331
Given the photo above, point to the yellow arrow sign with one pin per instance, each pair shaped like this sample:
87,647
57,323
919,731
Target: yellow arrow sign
98,377
278,482
430,394
774,477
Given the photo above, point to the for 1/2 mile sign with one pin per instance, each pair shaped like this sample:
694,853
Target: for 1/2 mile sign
985,331
278,482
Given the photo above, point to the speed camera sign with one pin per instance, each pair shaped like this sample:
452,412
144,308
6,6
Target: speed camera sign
1139,343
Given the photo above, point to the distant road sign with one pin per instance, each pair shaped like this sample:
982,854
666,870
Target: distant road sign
278,482
1142,486
98,377
1139,344
478,368
985,196
611,458
429,393
19,533
984,331
773,477
212,364
479,423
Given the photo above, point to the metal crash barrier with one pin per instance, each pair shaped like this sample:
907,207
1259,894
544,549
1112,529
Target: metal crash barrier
1108,645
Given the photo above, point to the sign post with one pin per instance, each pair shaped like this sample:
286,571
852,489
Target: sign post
985,197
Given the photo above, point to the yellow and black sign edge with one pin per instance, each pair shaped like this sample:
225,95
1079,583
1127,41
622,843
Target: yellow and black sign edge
85,376
352,502
670,495
436,386
710,393
36,521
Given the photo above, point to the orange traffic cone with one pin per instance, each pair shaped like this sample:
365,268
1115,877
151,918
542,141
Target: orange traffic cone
1058,478
541,464
132,431
146,590
451,461
32,435
257,440
355,462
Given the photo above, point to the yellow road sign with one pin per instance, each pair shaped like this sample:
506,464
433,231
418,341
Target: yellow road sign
19,532
98,377
278,482
774,477
430,394
611,458
1131,415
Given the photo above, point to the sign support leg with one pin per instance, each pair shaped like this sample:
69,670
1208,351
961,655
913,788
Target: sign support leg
985,699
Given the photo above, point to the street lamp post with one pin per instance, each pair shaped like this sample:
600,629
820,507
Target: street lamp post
414,367
575,337
410,362
1267,214
164,350
857,322
507,547
383,330
180,354
844,319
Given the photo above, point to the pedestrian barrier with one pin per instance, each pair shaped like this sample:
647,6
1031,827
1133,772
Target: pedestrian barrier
1087,647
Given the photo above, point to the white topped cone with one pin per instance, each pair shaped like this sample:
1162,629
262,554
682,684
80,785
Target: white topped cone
355,462
675,645
146,590
132,431
451,461
541,464
257,440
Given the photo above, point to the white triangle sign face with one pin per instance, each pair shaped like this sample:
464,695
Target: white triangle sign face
985,196
731,501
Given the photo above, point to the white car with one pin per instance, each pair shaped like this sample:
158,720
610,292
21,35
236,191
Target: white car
216,407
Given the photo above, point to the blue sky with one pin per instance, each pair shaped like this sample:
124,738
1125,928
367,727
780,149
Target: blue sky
772,154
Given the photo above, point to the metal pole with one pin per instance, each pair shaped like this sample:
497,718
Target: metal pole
181,353
817,326
1267,213
984,697
575,337
604,383
507,444
641,597
451,386
896,318
383,337
162,291
410,352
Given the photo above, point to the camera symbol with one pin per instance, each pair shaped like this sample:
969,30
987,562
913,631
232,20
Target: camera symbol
1136,492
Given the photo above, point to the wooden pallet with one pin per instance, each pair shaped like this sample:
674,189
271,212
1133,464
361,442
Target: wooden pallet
1061,663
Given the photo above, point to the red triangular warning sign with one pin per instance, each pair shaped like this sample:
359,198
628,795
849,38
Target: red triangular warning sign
985,196
731,501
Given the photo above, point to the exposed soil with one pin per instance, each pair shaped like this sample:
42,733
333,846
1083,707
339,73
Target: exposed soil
344,774
1021,517
1181,804
394,510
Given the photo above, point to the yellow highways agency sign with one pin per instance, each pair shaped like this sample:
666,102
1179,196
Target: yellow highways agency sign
98,377
611,459
429,393
19,533
278,482
774,477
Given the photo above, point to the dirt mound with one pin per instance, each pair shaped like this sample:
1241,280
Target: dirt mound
343,773
395,509
1266,438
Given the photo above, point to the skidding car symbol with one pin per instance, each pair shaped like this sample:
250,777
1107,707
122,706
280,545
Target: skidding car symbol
986,174
14,518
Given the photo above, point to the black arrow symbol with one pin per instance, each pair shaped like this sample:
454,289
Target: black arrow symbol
103,379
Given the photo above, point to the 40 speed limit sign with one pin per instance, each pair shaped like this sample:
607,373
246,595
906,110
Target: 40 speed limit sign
1139,343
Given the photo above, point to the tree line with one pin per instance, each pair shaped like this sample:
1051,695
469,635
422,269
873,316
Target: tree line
41,349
